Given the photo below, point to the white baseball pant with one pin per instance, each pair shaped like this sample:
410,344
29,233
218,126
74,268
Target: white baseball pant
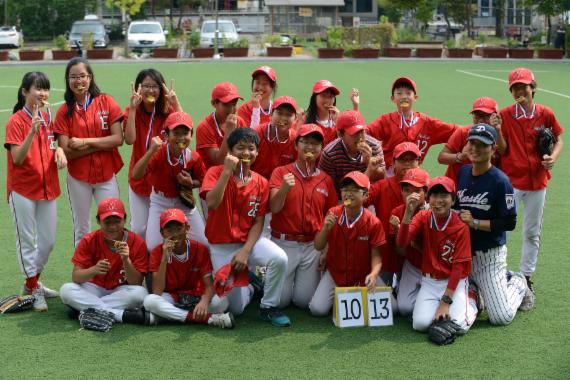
302,276
163,306
35,224
88,294
462,311
532,226
80,195
138,206
265,253
322,301
158,204
502,298
408,288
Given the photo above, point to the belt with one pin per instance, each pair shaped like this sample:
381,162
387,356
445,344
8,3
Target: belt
297,238
434,277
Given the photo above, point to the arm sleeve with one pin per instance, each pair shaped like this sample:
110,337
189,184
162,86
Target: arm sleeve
139,255
378,235
440,131
276,179
198,168
155,258
82,257
504,224
456,142
14,133
205,136
457,271
209,181
115,112
62,122
408,232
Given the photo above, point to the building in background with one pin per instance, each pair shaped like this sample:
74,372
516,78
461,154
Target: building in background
303,17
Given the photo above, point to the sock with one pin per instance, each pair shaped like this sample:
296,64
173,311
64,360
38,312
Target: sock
190,318
32,282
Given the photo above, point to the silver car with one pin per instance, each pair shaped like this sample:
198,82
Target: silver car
95,27
226,29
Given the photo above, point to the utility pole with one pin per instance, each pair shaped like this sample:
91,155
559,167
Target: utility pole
216,50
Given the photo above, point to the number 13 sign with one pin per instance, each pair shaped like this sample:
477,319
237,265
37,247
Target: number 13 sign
355,307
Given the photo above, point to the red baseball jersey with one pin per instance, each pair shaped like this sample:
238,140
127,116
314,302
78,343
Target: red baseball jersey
36,178
96,121
425,131
184,274
455,144
162,169
522,162
273,153
441,248
412,255
146,128
328,132
245,111
93,248
210,135
385,195
349,251
232,220
306,203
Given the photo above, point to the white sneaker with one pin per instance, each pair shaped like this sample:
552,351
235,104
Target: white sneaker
40,303
222,320
529,296
48,293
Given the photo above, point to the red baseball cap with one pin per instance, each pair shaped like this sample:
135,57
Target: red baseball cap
404,147
359,178
110,207
307,129
485,104
285,100
520,75
172,214
323,85
265,70
226,279
416,177
447,183
351,122
225,92
176,119
404,80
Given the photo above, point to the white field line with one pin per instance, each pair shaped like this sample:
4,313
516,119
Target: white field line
53,104
504,71
505,81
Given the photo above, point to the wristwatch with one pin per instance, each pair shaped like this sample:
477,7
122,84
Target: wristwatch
447,299
476,223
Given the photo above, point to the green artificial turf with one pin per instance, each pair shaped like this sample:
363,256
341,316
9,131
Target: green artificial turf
535,345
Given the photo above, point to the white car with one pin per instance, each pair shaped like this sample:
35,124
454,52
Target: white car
226,29
10,36
146,34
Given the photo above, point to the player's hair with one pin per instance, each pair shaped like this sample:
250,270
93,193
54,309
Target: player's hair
439,189
32,78
167,131
405,85
314,135
99,219
312,109
242,135
288,106
93,89
349,181
271,83
405,184
156,76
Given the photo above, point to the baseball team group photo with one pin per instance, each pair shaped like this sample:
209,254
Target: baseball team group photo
346,209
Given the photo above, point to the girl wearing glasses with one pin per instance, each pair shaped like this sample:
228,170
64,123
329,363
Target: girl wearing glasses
150,104
89,130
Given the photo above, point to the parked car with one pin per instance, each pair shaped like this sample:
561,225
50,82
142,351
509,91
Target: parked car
10,36
226,29
96,27
146,34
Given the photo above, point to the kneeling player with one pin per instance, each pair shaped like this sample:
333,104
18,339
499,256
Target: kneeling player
354,236
415,181
182,284
109,265
446,262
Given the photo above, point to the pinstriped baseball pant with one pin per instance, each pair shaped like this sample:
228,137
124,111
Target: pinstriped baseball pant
502,298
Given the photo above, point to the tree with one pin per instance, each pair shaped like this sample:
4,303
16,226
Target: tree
499,17
416,8
550,8
458,11
127,8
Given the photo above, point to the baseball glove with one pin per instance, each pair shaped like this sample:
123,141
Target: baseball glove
187,197
15,303
443,332
545,141
96,319
187,301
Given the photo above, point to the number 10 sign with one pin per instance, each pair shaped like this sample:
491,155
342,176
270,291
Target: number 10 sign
356,307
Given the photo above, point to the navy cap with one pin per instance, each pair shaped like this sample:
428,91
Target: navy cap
484,133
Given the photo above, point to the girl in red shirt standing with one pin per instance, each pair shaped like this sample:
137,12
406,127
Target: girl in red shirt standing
263,87
89,129
32,181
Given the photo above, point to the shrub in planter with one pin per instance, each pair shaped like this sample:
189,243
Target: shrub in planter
31,55
63,51
203,52
100,54
4,55
362,42
428,52
335,45
494,52
549,53
521,53
165,52
273,44
461,50
238,48
396,52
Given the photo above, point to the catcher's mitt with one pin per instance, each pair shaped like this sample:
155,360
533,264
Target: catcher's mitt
187,197
96,319
545,141
15,303
443,332
187,301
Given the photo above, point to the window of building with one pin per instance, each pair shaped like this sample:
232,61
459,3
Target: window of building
348,6
363,6
485,8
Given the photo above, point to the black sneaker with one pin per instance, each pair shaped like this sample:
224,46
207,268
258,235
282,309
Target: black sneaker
139,317
72,313
275,316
